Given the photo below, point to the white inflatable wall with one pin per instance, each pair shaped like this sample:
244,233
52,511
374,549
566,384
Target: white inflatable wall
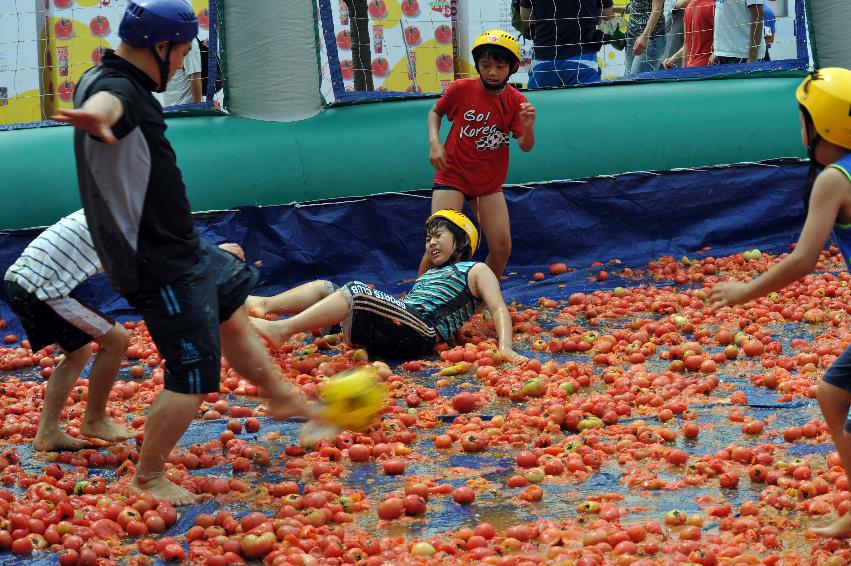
270,54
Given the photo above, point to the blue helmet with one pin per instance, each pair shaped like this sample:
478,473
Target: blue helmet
147,22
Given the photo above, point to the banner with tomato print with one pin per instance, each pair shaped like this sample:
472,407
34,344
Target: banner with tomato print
20,100
409,46
77,33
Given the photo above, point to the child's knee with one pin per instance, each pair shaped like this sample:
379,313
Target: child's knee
500,247
326,288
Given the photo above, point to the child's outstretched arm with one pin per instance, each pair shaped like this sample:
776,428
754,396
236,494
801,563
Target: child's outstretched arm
484,285
97,116
527,118
436,151
830,189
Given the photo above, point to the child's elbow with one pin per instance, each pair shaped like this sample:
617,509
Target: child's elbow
527,147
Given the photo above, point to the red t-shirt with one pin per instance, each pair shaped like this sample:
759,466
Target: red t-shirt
477,145
699,26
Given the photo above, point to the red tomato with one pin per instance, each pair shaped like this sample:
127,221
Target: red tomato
394,467
463,495
391,508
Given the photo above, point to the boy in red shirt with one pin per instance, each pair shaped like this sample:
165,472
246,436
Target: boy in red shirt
473,163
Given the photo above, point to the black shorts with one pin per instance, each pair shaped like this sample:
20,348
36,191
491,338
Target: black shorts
437,187
384,325
730,60
183,317
66,321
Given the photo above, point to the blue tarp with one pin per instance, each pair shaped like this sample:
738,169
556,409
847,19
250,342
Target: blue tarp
634,217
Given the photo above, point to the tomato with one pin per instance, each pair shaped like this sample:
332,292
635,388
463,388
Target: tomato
414,505
391,508
173,551
463,495
526,459
22,546
359,453
167,512
394,467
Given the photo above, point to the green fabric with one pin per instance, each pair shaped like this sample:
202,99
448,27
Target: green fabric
375,148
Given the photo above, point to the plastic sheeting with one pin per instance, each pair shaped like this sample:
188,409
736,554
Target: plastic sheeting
830,21
633,218
281,37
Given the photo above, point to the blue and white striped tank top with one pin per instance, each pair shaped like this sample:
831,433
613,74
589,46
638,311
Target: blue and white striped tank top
442,297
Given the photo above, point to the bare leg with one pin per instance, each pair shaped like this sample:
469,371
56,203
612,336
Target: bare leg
107,362
62,380
247,354
329,311
289,302
170,416
835,402
441,200
493,218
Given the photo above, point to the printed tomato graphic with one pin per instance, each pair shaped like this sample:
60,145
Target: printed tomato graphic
344,39
66,91
62,4
412,35
444,63
377,9
97,54
99,26
410,8
204,18
347,69
443,34
380,67
64,29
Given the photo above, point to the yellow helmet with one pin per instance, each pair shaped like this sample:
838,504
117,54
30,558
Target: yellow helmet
500,38
460,219
826,95
352,399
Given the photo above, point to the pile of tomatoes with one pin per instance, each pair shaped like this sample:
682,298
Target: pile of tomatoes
626,438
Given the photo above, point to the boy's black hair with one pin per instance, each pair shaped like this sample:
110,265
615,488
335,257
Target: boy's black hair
463,249
496,52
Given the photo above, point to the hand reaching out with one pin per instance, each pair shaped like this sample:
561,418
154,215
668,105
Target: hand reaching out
727,294
94,123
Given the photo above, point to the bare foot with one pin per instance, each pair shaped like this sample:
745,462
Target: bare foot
256,306
58,441
105,429
162,488
268,329
312,432
841,528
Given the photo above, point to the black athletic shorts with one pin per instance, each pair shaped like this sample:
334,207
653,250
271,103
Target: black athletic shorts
66,321
183,317
384,325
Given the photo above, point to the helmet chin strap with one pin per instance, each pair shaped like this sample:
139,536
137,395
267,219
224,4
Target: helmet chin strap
164,65
815,166
500,86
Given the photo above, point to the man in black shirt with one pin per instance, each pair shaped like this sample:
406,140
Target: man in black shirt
566,40
189,292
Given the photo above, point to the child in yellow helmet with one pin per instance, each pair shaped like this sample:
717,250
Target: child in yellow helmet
473,162
440,302
825,101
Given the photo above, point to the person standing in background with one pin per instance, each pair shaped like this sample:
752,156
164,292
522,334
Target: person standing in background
738,32
185,87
